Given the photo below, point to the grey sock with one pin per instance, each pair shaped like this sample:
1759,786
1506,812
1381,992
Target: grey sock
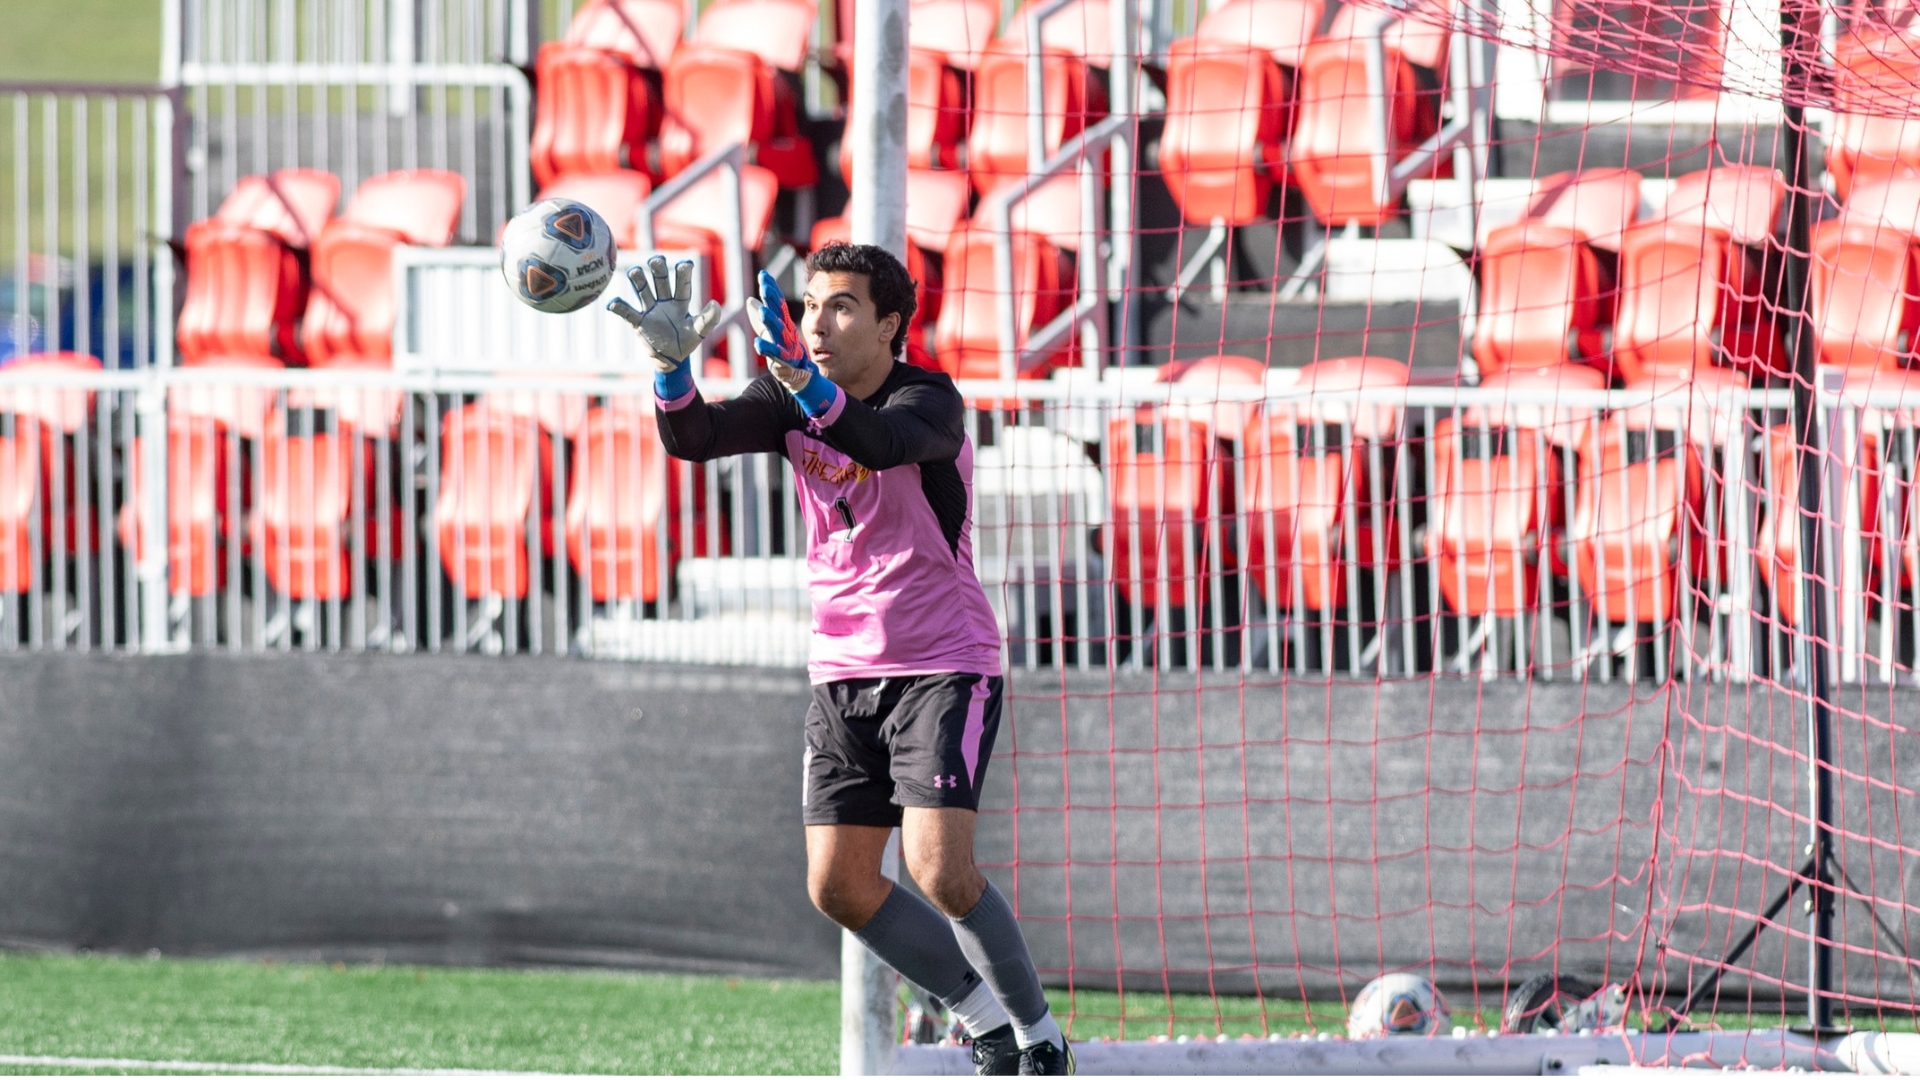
991,939
918,942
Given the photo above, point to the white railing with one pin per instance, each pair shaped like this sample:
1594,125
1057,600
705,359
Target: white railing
434,512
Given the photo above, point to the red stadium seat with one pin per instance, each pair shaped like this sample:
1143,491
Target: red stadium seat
967,336
1169,484
1082,29
1281,28
1864,284
1332,147
302,528
646,32
777,31
32,421
1226,419
1875,72
1690,296
350,315
716,96
594,113
493,464
1500,496
1308,479
959,30
1742,201
1227,120
618,495
997,143
246,293
292,204
1599,204
1422,37
1544,298
1639,521
202,468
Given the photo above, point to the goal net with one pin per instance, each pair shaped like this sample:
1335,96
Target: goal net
1482,542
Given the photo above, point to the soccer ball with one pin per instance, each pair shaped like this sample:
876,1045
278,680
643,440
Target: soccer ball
557,255
1398,1004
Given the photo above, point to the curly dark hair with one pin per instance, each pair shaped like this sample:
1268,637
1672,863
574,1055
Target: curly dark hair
888,284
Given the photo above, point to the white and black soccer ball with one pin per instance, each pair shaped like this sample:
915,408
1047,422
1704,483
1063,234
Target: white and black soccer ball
1398,1004
557,255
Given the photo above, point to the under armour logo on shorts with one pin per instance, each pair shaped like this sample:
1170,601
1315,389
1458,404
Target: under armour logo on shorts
946,781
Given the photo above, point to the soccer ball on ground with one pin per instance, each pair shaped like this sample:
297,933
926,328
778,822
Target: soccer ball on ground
1398,1004
557,255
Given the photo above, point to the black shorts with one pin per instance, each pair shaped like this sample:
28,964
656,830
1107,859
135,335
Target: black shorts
876,745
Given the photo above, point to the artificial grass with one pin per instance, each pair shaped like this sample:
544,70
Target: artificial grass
101,41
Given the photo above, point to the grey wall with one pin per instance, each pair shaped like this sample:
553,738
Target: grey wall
1169,830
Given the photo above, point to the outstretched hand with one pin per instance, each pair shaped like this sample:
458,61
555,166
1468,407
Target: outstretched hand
777,338
669,332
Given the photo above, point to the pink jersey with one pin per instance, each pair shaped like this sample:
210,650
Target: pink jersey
885,488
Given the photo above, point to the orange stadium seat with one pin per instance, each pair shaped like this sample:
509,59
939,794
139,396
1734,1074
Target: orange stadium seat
302,529
1500,493
202,471
594,113
350,316
646,32
616,196
716,96
1875,73
1690,296
1307,479
1227,420
967,335
292,204
1224,142
616,500
37,426
1864,289
1281,28
1545,298
1332,154
1169,485
1599,204
1639,520
246,293
777,31
997,143
493,466
959,30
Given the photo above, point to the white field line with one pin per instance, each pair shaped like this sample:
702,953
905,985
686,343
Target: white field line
254,1069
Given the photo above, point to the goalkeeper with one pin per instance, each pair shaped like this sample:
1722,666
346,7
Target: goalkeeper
905,657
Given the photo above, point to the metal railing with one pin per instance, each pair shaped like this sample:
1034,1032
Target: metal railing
1379,533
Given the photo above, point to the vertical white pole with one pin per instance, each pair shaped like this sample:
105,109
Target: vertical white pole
877,132
868,996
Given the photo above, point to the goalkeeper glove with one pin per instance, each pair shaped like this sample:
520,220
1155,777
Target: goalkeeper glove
777,339
668,331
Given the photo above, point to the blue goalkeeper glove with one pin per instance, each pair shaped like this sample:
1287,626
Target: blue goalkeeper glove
778,339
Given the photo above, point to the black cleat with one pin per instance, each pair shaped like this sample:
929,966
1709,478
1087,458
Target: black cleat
1047,1059
995,1053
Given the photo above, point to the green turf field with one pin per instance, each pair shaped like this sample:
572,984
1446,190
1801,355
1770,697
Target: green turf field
116,41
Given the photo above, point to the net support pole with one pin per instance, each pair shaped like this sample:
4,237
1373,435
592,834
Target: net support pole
877,132
1814,645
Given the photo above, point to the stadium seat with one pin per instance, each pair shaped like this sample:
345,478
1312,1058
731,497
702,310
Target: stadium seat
967,335
302,528
1742,201
997,143
350,315
1875,75
1170,503
292,204
1691,296
1640,516
37,424
1545,298
1224,142
1421,35
777,31
959,30
616,499
1082,29
493,466
1332,153
1599,204
1282,28
1227,420
1499,498
646,32
1864,292
716,96
245,296
594,113
202,469
1308,478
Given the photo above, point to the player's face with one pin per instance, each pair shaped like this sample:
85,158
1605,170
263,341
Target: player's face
843,330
